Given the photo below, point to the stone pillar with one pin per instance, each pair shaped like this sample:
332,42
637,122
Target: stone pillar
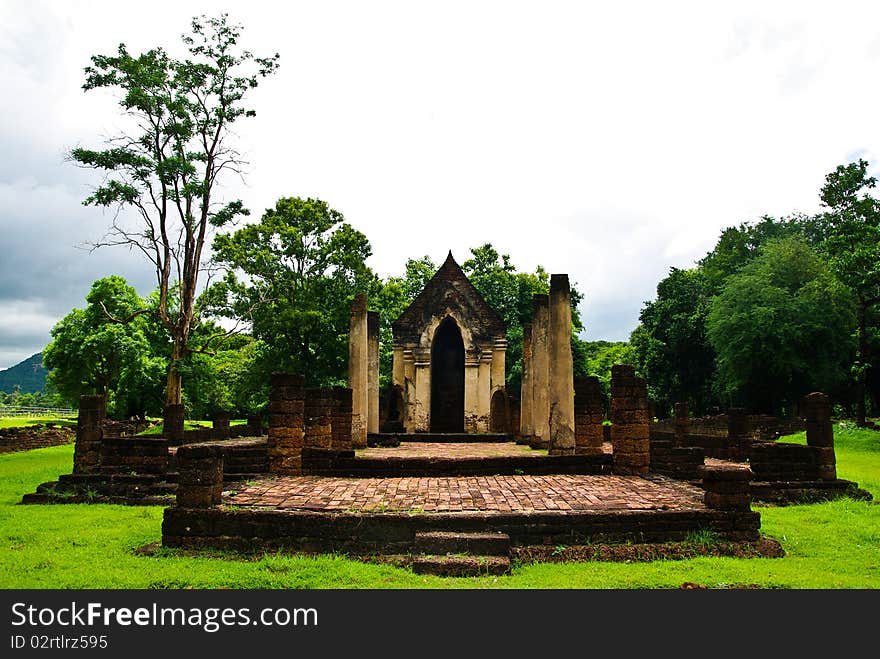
358,378
221,425
484,391
471,390
682,424
630,438
317,431
820,433
255,425
561,368
398,377
737,434
409,390
87,450
588,416
341,419
526,425
199,476
727,489
286,423
499,376
172,425
540,373
373,371
420,408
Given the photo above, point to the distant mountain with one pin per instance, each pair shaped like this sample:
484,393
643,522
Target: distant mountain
29,375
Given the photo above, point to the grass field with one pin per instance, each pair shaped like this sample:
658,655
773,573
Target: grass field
27,421
828,545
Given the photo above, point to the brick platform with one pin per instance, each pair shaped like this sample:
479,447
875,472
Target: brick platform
470,494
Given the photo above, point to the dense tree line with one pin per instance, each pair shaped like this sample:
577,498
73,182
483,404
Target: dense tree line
778,308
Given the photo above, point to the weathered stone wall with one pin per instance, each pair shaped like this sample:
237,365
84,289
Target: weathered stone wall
629,421
588,416
727,489
32,437
134,455
318,430
286,423
371,534
340,420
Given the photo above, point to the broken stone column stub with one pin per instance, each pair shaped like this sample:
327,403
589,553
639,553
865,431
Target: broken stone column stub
820,433
589,416
89,432
629,422
286,423
561,368
200,476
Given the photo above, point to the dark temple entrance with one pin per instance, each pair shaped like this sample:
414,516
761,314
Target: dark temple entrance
447,378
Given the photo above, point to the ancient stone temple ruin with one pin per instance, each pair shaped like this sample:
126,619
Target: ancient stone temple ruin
449,353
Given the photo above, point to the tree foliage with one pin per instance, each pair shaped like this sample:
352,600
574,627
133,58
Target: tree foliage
167,167
292,276
781,327
91,354
853,244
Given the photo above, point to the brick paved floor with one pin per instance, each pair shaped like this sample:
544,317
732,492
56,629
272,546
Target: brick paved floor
469,493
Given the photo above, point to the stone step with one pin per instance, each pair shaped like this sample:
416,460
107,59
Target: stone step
461,566
454,542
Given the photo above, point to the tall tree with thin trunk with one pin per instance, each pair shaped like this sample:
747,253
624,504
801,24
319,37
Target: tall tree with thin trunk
163,172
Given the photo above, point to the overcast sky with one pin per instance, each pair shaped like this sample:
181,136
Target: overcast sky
610,141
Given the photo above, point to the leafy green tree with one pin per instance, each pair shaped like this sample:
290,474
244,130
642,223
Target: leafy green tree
670,346
91,354
854,246
167,168
292,276
600,356
781,327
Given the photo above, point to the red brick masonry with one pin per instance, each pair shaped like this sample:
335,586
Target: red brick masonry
525,493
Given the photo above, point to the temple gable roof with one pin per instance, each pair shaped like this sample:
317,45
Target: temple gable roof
449,290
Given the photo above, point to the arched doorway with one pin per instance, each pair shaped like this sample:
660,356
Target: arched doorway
447,378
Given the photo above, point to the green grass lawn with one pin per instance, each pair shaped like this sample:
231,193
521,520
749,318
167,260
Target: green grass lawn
828,545
27,421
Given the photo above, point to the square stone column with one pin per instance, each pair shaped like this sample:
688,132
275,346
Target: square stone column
373,371
561,368
682,424
421,406
409,390
398,378
526,425
820,433
318,432
588,416
221,425
89,432
358,370
286,423
172,424
540,372
499,375
471,390
340,420
484,390
629,422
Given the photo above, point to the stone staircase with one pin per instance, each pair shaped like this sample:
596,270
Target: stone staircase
459,554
